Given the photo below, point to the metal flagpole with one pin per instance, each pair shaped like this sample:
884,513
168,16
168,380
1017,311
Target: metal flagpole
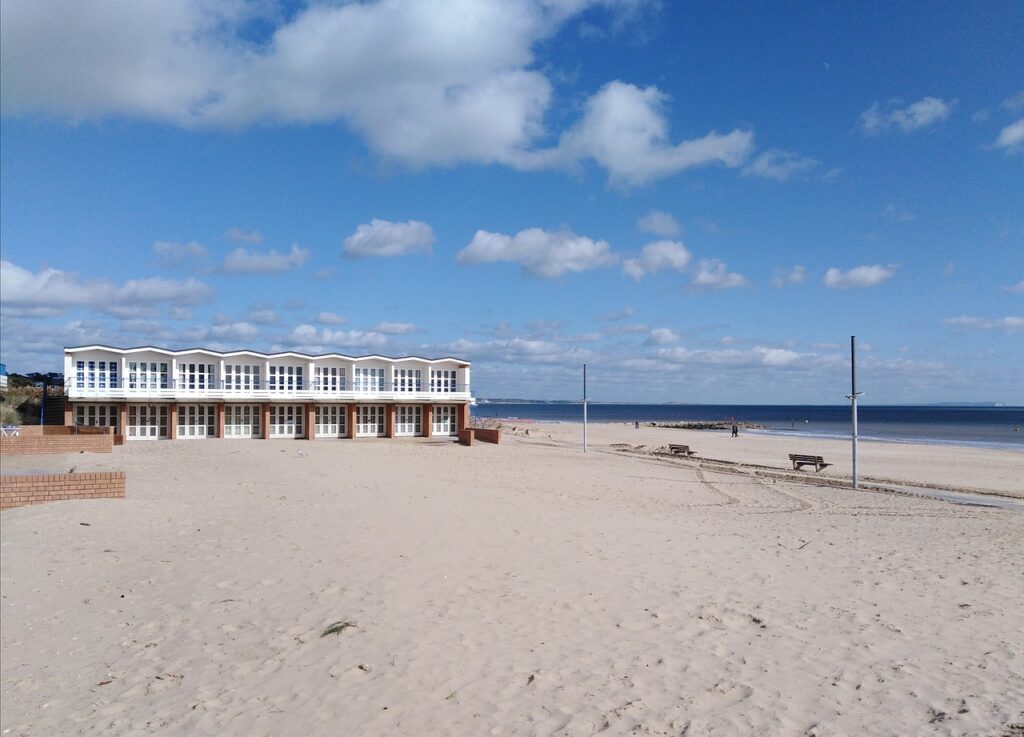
852,396
584,408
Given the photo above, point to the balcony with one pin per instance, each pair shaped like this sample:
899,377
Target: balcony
174,391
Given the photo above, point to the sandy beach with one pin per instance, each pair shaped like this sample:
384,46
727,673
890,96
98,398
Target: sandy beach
517,589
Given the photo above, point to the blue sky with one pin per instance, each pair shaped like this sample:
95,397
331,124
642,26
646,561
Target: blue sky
702,201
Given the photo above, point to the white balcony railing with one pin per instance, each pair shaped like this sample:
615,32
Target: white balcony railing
309,392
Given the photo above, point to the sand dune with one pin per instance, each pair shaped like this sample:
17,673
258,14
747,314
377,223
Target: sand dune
518,589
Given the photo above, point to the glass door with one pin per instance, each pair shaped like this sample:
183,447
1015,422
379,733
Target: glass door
409,420
370,420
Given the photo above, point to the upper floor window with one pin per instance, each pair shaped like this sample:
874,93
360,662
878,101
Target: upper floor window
80,374
442,380
241,377
369,380
330,378
147,375
408,380
195,375
285,378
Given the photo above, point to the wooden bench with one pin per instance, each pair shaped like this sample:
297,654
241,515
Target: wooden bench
681,450
799,461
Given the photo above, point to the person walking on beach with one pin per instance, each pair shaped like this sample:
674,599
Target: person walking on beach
636,424
735,429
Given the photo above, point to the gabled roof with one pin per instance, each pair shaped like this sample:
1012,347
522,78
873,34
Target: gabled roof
246,352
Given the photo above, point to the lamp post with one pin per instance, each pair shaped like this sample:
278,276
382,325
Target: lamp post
584,408
852,396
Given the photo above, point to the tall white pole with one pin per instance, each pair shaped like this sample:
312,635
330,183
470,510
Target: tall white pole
584,408
852,396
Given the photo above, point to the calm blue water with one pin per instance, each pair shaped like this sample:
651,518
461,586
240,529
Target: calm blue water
984,427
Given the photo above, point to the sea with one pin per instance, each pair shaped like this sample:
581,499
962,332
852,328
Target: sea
983,427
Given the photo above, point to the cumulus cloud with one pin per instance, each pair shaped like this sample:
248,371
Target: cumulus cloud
660,224
657,256
190,255
1011,138
624,130
246,261
783,278
421,82
714,274
859,277
308,339
244,235
384,238
662,336
330,318
617,315
543,253
1009,324
519,350
56,290
880,118
263,316
397,328
756,356
779,165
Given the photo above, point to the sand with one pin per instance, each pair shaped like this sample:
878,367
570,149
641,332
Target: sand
519,589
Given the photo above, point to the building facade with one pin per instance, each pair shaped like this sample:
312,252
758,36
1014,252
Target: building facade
153,393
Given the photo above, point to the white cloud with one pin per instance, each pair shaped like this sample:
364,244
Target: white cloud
880,118
756,356
384,238
263,316
660,223
779,165
662,336
309,339
329,318
1017,288
1011,138
234,331
859,277
1009,324
1014,102
796,275
713,274
894,213
397,328
519,351
189,255
543,253
617,315
244,235
657,256
246,261
54,289
624,130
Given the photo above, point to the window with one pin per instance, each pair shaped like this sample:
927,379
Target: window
112,377
369,380
409,420
370,420
285,378
242,420
444,420
92,374
192,376
286,421
408,380
241,377
80,375
442,380
331,421
96,415
330,378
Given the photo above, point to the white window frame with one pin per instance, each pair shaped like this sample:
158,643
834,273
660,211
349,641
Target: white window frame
331,421
408,420
287,421
371,421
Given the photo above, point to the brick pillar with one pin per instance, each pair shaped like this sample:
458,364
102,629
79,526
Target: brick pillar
428,420
389,420
462,416
122,418
69,414
265,420
350,422
310,421
172,421
220,419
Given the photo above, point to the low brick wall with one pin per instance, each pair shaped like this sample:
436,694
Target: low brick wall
487,435
17,491
466,436
35,440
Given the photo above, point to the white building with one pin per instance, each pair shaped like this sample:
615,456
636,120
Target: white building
152,393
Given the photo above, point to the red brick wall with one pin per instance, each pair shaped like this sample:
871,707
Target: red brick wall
33,440
17,491
487,436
